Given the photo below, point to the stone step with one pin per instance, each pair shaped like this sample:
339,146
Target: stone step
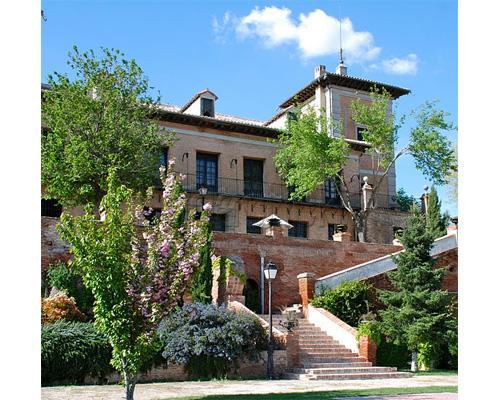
308,361
313,347
326,354
345,364
354,376
342,370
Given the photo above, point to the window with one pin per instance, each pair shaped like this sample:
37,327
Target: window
299,229
218,222
207,107
206,171
51,208
359,132
331,195
332,229
253,173
251,228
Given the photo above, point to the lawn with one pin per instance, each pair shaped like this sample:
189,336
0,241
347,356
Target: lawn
329,395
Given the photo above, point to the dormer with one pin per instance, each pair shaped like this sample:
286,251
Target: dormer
202,104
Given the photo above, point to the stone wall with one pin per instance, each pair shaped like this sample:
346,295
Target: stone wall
175,372
293,256
53,249
381,222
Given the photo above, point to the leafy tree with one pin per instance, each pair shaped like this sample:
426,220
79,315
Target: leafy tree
309,154
436,222
137,270
453,181
101,119
404,200
348,301
201,282
418,312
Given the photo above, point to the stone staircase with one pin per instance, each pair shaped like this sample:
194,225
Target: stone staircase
323,358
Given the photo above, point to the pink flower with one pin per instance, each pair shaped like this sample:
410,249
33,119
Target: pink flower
207,207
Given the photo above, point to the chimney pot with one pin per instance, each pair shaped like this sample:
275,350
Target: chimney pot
319,70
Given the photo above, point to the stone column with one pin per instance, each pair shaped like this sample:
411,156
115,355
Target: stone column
307,281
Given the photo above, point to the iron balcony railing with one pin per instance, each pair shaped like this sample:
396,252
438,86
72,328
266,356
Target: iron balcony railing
275,192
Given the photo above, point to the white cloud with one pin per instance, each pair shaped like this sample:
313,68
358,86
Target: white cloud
315,34
401,66
221,28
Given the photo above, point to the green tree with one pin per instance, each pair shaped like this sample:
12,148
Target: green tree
404,200
201,283
309,154
137,270
436,222
418,312
101,119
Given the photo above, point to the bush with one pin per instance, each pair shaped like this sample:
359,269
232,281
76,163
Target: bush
209,340
392,355
72,350
59,307
65,278
348,301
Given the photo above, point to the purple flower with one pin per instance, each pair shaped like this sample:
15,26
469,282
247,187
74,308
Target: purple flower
207,207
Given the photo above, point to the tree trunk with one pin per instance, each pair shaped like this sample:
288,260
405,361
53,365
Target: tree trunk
414,365
360,225
129,380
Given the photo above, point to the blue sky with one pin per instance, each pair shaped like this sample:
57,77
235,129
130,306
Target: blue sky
255,54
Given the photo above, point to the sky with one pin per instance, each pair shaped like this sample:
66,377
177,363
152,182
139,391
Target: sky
256,54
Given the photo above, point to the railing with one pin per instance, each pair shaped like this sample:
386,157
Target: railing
277,192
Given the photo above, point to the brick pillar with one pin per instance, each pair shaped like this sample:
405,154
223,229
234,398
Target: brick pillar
306,289
342,237
368,349
292,350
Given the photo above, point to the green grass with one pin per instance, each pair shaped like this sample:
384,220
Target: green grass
329,395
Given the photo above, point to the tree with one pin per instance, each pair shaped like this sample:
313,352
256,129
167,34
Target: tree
100,120
201,282
453,180
137,270
404,200
309,154
435,221
418,312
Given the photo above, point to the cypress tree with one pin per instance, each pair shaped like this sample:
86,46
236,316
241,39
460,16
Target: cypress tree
418,312
201,286
436,222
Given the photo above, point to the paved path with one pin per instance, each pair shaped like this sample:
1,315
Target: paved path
170,390
429,396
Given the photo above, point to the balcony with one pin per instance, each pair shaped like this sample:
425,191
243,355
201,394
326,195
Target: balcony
264,191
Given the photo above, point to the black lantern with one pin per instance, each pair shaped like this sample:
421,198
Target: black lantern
270,272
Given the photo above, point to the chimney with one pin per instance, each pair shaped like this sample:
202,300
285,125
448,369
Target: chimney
341,69
319,70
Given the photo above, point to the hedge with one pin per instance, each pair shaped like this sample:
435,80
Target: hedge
72,350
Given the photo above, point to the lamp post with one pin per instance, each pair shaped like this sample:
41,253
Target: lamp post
270,272
202,190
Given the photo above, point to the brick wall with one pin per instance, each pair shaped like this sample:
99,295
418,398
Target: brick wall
293,256
175,372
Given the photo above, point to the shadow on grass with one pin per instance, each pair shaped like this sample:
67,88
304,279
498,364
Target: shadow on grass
329,395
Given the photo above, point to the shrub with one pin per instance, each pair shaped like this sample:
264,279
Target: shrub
348,301
209,340
392,355
64,278
72,350
59,307
372,329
